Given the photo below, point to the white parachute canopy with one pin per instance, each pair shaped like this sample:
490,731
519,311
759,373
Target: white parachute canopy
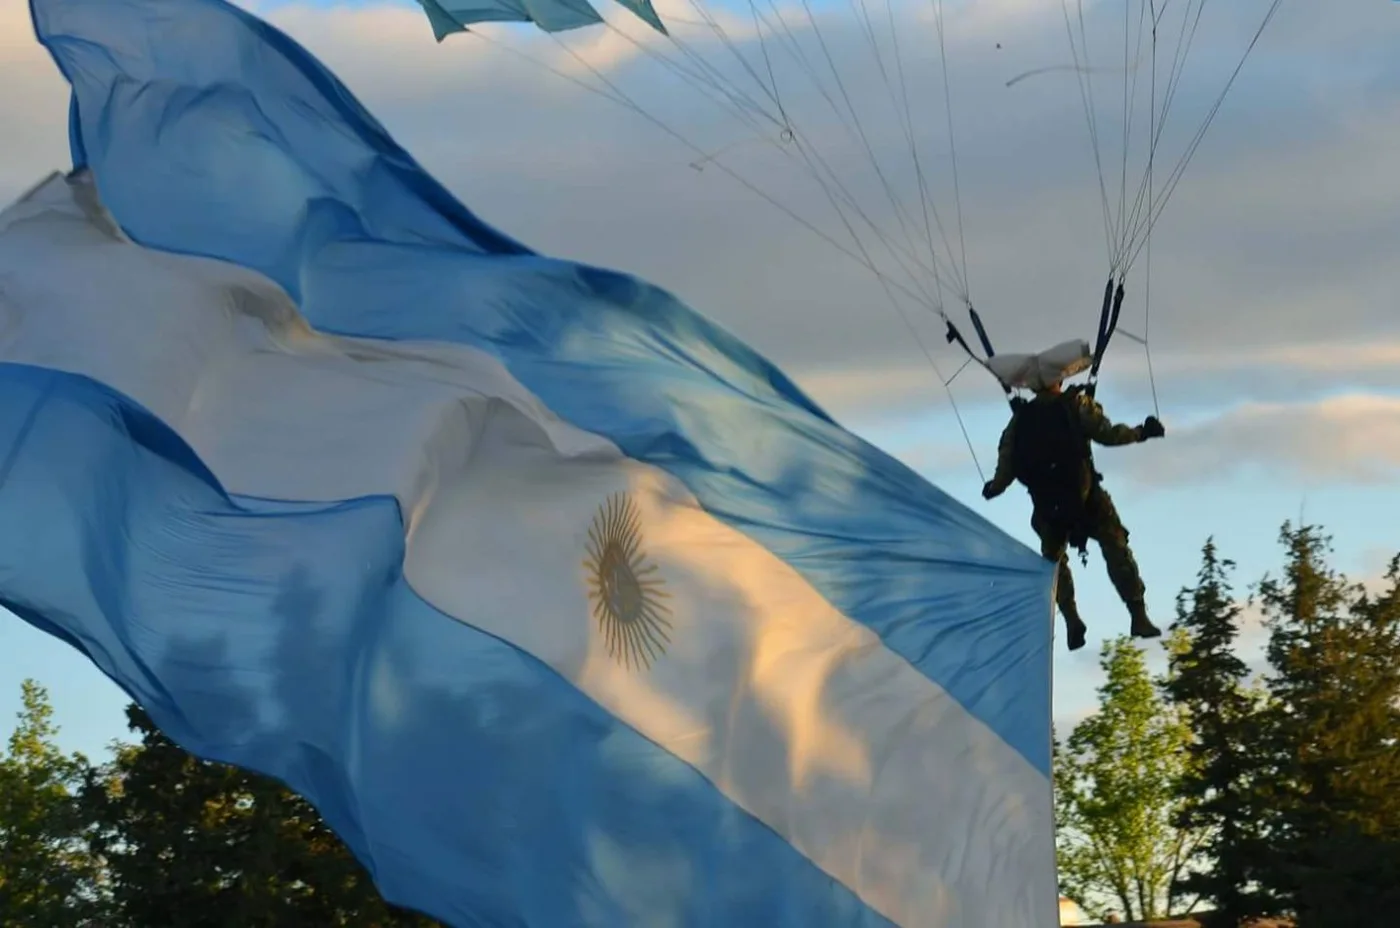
1037,371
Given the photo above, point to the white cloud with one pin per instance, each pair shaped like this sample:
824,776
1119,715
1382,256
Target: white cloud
1339,441
1375,564
33,106
1187,379
1279,240
1345,439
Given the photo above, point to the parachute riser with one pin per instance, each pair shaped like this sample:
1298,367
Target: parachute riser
1108,324
954,336
1110,311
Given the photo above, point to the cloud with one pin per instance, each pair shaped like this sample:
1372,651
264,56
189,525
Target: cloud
1344,439
1187,380
1351,439
1375,565
33,108
1277,242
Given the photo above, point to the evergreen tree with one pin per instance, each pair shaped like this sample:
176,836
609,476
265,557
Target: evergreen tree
1332,789
1116,792
1208,683
47,877
195,843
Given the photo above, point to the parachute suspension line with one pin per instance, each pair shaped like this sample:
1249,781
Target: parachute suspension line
864,258
902,106
926,298
746,109
1146,190
770,89
740,104
848,118
795,48
767,63
926,205
907,125
1127,119
1092,107
1144,186
906,116
1180,168
743,105
1147,331
967,439
1086,95
900,214
1147,286
617,96
955,336
1129,232
947,382
1142,224
924,200
809,152
752,113
791,134
953,154
1130,93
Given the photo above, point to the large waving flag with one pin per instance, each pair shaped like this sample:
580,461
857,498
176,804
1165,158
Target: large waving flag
562,605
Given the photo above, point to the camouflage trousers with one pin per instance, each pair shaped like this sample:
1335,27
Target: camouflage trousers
1105,527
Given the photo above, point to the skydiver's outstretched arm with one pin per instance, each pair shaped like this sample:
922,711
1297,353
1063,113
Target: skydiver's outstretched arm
1005,472
1098,427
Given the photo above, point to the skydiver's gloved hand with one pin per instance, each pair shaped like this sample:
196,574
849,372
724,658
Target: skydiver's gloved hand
989,491
1151,428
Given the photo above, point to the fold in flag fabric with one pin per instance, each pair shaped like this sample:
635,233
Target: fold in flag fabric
562,605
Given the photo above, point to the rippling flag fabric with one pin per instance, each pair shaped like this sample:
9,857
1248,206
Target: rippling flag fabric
561,604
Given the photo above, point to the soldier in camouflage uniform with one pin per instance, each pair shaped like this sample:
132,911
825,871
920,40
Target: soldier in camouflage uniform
1046,447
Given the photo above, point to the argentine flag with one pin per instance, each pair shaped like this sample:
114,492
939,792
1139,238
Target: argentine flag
562,605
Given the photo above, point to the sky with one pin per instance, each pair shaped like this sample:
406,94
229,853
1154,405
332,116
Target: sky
1269,303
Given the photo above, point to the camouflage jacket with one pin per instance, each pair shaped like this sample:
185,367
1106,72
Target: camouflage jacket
1097,428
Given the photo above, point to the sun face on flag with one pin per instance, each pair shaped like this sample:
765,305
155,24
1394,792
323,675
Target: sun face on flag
624,586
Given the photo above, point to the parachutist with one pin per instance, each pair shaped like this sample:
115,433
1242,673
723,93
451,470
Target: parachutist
1046,447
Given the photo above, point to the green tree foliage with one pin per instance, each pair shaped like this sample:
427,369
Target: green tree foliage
1209,683
1116,783
182,836
1196,785
47,877
1332,787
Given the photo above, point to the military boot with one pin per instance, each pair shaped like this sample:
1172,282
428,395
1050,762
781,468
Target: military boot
1074,629
1142,625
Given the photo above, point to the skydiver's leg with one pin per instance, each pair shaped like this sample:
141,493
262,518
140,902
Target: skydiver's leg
1054,547
1107,529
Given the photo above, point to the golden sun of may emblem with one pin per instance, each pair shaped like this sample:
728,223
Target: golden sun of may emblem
627,594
